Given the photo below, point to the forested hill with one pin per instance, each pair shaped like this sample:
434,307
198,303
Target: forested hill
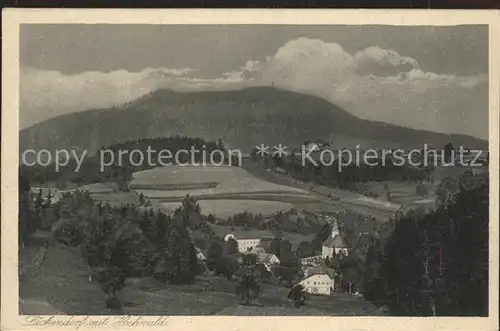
243,118
119,169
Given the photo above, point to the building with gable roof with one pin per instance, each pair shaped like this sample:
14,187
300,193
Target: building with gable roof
334,243
247,241
318,281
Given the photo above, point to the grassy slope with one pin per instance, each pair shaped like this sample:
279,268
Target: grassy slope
61,282
61,285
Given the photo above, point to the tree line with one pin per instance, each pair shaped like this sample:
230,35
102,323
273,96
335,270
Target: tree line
119,172
434,264
117,242
349,177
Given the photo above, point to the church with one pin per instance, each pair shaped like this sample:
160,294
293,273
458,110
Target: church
334,243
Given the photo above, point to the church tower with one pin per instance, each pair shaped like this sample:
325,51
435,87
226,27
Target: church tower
335,228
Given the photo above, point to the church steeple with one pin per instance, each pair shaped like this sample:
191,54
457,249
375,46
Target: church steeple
335,228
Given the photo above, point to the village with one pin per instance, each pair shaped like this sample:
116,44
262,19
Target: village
317,278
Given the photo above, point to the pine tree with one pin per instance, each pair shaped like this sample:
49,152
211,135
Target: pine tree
214,254
435,264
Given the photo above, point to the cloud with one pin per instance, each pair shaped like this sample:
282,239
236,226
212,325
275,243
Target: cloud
373,83
382,85
45,94
375,55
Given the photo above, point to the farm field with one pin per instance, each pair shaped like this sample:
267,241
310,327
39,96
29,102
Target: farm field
228,179
108,192
371,202
168,195
226,208
99,188
401,192
331,199
220,190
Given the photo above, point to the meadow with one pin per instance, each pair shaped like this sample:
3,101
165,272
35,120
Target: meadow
229,179
225,208
220,190
61,286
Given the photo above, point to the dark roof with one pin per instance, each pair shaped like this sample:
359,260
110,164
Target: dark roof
252,234
330,272
313,271
336,242
322,272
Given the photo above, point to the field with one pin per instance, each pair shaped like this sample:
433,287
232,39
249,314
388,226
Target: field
330,199
226,208
61,286
109,193
228,179
220,190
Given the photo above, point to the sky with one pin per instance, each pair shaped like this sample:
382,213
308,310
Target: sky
433,78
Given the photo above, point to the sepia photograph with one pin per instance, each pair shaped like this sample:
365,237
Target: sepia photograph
233,169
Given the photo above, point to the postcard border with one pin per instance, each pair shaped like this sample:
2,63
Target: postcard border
12,18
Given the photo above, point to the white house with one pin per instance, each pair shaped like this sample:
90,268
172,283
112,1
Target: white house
244,244
199,255
318,283
334,243
268,260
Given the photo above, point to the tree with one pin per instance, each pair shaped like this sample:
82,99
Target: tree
297,295
285,251
248,289
210,218
214,254
179,256
327,262
435,264
373,286
27,223
304,249
142,199
228,266
387,192
289,269
111,250
264,272
448,152
189,214
250,260
422,190
445,190
320,238
330,262
145,224
231,246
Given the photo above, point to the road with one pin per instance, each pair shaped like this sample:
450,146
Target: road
340,199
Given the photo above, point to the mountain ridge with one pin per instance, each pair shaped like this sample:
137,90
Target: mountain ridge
242,118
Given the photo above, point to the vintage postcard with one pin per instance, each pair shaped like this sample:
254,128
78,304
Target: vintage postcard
189,169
